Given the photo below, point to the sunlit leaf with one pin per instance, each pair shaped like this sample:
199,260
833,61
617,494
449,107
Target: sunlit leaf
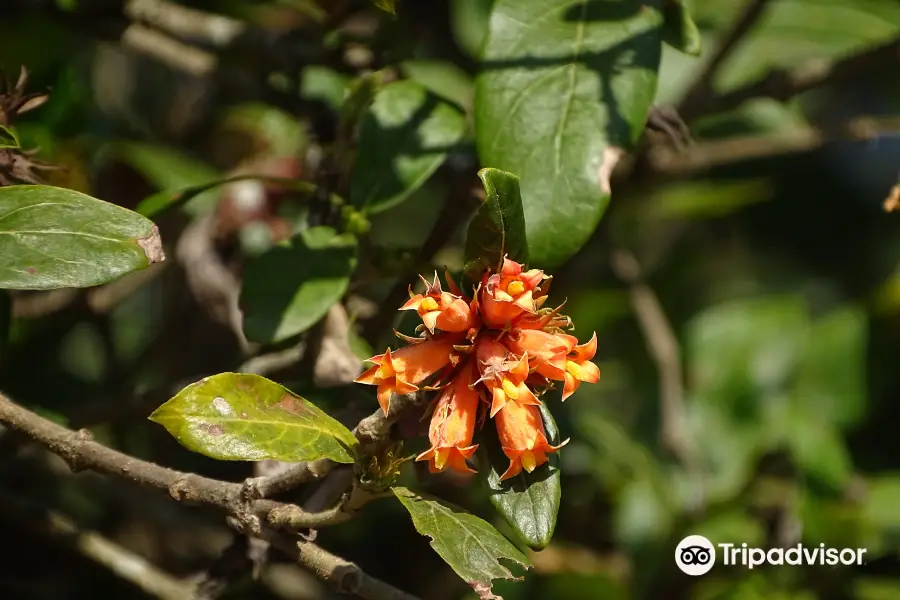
8,138
471,546
679,30
564,89
498,228
54,238
404,137
242,416
529,502
290,287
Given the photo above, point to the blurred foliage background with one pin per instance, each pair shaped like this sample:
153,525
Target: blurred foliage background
750,370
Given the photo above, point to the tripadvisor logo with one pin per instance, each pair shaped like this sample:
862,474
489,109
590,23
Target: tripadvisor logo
696,555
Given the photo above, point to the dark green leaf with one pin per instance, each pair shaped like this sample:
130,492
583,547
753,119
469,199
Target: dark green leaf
404,137
498,228
679,30
160,202
565,88
529,502
471,546
241,416
54,238
290,287
8,138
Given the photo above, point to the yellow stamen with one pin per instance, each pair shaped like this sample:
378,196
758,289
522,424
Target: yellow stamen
515,288
573,368
529,462
511,390
385,371
429,304
440,458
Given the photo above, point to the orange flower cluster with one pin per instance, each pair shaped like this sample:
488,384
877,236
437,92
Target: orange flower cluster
498,349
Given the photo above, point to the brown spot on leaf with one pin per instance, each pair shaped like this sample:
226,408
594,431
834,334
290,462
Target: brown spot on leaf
31,271
214,429
291,404
484,590
244,415
152,246
611,157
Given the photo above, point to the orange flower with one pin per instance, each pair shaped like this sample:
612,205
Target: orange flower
580,368
509,294
446,311
522,437
503,374
398,372
547,351
452,426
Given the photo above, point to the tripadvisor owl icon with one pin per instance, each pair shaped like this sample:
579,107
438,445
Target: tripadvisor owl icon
695,555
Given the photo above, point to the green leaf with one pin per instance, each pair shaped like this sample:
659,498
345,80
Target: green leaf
275,131
565,88
831,382
54,238
8,138
169,170
290,287
404,137
529,502
166,200
324,84
442,78
819,450
471,546
242,416
389,6
498,228
679,29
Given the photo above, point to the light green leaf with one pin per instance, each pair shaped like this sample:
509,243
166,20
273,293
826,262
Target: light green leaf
529,502
275,131
54,238
819,450
241,416
679,30
166,200
290,287
404,137
442,78
471,546
790,37
8,138
498,228
831,382
389,6
565,88
324,84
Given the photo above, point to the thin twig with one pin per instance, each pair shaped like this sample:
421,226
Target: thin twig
131,567
254,516
715,153
80,452
663,347
703,86
784,84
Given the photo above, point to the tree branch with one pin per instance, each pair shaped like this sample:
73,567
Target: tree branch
59,529
662,344
81,453
253,516
784,84
703,87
